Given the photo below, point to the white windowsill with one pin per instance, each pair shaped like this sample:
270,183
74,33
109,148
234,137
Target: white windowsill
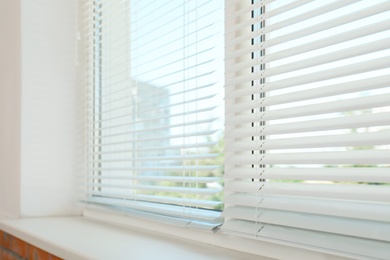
126,238
83,238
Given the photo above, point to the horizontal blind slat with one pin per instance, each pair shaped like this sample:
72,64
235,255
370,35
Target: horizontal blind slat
335,157
152,148
328,207
356,228
178,190
154,178
374,193
341,140
355,121
307,110
361,174
156,199
319,92
186,213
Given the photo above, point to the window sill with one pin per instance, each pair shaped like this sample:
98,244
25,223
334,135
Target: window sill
91,237
83,238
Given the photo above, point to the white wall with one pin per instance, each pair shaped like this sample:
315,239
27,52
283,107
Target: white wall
45,145
10,89
49,108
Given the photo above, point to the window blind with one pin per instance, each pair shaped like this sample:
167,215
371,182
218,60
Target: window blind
307,124
155,74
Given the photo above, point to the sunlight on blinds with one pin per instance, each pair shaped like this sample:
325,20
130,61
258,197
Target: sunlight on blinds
308,123
156,96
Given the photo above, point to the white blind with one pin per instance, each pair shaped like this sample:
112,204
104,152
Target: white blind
155,76
308,123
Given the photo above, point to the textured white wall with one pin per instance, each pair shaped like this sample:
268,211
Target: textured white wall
49,148
39,115
10,90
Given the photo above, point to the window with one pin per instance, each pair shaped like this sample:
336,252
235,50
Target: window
307,117
156,83
307,124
